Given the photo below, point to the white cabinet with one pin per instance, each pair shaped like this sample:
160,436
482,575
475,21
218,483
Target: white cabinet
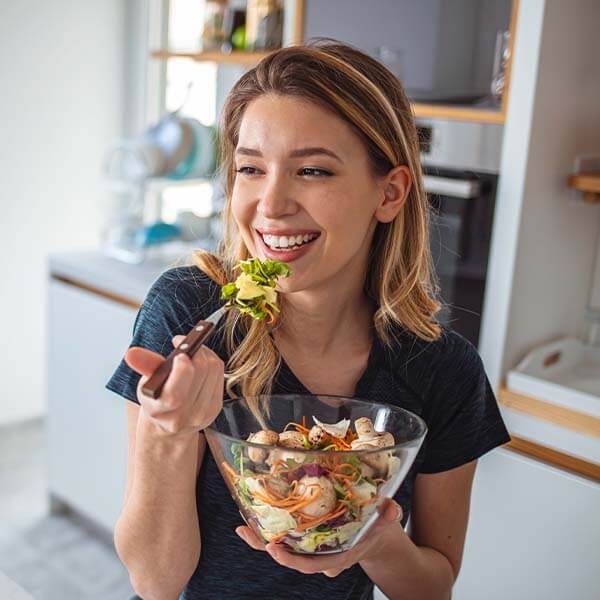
87,429
534,532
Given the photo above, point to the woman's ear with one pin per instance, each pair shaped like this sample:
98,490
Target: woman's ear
395,189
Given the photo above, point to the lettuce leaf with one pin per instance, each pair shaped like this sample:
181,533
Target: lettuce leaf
253,292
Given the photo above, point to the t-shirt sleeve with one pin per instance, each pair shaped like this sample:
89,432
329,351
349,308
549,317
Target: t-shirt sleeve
463,418
164,313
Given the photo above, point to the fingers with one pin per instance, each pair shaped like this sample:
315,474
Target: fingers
391,511
250,537
209,399
143,361
177,339
175,390
328,565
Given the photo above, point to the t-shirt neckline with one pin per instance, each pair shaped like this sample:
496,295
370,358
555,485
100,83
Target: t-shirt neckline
364,382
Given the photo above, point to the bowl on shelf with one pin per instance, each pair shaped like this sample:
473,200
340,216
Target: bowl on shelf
313,473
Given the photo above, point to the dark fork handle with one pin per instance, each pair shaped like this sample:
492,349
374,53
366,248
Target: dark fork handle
190,345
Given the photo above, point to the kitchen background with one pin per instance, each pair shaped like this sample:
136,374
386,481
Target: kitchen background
506,95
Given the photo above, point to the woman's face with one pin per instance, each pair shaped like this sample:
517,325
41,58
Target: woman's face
304,193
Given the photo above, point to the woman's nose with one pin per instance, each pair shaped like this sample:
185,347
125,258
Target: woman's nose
275,199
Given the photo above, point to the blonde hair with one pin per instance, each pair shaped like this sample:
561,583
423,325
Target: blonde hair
371,100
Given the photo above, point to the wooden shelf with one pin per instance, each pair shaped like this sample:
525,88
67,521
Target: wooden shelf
552,413
458,113
589,184
231,58
557,415
554,458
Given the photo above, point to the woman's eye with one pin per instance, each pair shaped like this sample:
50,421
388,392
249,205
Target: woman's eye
313,172
247,170
306,171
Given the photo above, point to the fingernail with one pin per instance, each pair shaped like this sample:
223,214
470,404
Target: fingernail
398,516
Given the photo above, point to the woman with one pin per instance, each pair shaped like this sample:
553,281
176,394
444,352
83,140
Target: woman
321,164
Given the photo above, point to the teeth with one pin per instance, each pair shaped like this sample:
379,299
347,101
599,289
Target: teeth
282,241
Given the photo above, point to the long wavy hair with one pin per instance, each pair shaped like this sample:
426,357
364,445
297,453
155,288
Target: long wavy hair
400,278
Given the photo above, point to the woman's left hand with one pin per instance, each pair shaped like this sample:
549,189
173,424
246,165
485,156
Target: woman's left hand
331,565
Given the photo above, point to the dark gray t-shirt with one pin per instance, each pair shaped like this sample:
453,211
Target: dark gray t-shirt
443,381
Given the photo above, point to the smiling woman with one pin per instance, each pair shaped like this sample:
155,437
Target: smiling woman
312,146
320,160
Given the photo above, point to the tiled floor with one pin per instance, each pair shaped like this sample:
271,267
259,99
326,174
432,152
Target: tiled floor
52,556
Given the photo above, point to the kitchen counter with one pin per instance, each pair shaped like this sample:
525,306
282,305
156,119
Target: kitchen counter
102,273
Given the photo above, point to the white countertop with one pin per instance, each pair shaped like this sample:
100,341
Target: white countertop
94,268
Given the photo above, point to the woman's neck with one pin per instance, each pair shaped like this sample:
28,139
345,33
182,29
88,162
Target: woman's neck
319,322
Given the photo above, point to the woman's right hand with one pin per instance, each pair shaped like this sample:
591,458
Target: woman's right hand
192,395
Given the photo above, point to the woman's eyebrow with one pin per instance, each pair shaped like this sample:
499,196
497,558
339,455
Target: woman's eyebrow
299,153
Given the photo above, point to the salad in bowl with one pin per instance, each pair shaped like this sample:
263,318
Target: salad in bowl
313,473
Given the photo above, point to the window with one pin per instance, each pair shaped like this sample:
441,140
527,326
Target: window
198,102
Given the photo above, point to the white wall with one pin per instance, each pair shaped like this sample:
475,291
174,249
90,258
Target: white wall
557,240
553,115
62,79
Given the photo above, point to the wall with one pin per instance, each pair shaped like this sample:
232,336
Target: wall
62,78
438,42
544,245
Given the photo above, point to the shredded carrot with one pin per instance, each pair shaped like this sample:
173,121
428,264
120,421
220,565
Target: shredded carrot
277,503
230,471
306,501
271,315
315,522
279,536
347,465
298,427
342,476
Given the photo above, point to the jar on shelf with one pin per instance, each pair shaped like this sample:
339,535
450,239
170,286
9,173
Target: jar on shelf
264,24
235,26
213,29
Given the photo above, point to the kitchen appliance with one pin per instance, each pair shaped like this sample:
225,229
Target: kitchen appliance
443,52
461,163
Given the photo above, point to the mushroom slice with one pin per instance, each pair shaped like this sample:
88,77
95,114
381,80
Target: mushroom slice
316,434
267,437
291,439
364,427
324,502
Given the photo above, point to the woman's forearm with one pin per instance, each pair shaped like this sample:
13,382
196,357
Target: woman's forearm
403,570
157,535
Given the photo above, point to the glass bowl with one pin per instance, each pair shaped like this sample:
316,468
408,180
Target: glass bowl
315,501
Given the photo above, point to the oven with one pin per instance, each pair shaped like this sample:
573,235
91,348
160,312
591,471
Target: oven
461,163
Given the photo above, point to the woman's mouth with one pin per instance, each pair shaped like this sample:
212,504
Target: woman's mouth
288,247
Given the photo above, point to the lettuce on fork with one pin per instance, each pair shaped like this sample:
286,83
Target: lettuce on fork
253,292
